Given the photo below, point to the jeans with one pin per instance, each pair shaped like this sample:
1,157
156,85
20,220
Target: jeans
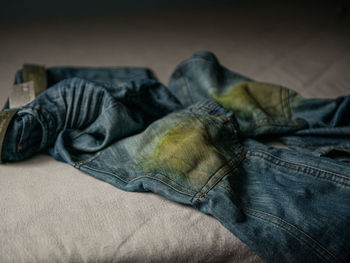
200,142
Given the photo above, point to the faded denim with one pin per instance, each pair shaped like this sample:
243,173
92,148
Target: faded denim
199,142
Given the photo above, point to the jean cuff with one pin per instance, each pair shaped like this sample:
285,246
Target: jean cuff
5,121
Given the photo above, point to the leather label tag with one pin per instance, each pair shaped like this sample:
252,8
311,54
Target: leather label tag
22,94
37,74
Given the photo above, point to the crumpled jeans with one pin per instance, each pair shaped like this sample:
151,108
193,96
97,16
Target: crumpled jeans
200,142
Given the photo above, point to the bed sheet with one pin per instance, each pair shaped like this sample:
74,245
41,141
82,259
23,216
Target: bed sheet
51,212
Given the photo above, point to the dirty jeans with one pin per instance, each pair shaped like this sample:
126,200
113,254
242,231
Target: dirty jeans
200,142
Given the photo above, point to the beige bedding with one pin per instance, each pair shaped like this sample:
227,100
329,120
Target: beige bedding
51,212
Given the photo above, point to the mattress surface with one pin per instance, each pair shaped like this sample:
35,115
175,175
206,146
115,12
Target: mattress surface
51,212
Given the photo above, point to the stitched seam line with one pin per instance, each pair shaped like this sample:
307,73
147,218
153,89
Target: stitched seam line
295,142
230,191
164,175
136,178
229,162
308,173
285,105
297,164
122,178
231,168
293,226
203,194
224,174
301,165
282,226
83,162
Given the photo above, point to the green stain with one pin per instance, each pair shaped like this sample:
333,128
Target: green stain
187,151
257,102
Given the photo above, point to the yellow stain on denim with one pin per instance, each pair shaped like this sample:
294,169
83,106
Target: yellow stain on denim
187,151
258,101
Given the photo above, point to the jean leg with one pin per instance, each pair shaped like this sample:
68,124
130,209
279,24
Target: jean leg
287,207
97,114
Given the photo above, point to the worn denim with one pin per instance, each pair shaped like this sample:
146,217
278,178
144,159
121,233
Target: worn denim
199,142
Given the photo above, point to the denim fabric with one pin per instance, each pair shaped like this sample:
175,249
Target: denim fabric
198,142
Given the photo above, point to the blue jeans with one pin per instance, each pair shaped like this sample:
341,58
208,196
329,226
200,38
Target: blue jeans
199,143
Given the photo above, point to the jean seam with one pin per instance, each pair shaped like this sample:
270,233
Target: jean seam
308,173
161,174
231,162
115,175
286,101
302,165
195,192
204,194
285,105
83,162
281,224
124,179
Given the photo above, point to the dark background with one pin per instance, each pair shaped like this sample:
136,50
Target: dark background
301,44
22,9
